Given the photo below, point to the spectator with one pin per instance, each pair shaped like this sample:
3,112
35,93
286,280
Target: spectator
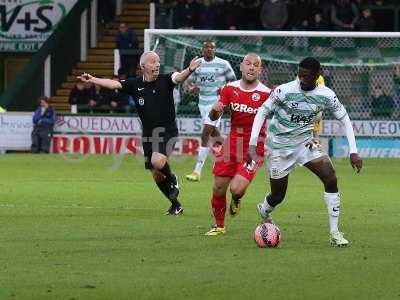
344,15
366,22
228,15
207,15
126,39
361,3
383,16
81,97
301,13
274,14
118,101
92,104
249,9
43,123
106,10
185,14
101,96
382,105
319,24
163,17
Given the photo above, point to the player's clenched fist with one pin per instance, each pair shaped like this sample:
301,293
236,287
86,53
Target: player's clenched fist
251,157
356,162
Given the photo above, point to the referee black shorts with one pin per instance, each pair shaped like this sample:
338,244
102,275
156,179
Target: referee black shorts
163,144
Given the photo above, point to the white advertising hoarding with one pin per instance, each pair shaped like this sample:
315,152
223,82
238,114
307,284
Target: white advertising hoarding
124,125
15,131
384,128
121,134
193,126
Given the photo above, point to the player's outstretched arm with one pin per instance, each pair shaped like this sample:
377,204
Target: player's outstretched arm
355,159
180,77
103,82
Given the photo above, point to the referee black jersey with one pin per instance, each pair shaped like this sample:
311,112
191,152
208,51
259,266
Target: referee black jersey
154,102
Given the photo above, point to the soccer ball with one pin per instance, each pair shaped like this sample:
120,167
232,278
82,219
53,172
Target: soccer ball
267,235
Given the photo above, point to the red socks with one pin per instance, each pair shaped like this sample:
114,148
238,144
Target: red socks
219,208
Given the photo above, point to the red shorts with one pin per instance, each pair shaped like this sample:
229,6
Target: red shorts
230,165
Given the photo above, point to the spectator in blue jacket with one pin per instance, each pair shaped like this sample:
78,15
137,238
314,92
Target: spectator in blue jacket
126,39
43,124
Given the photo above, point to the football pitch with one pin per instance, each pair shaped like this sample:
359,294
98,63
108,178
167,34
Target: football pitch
93,228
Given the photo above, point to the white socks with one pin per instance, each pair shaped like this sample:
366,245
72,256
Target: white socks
201,159
332,201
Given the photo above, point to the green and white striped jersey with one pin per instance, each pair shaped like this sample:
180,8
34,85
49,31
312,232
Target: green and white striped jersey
294,112
210,76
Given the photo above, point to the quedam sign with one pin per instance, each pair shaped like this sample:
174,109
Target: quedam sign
114,135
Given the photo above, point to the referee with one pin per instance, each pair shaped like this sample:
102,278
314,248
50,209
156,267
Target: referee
153,96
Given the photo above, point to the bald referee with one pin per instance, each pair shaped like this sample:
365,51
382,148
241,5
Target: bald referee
154,101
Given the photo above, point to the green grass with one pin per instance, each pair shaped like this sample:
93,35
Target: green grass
94,228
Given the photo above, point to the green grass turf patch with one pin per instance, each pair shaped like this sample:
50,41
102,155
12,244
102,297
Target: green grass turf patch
93,228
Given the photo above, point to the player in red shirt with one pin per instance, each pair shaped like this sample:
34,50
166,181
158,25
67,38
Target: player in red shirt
243,98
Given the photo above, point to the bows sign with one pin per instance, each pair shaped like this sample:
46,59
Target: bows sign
26,24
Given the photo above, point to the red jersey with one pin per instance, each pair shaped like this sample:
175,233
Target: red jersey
244,105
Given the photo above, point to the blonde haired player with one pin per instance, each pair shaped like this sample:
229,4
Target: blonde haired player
243,97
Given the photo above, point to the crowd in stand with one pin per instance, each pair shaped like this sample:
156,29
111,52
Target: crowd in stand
343,15
86,97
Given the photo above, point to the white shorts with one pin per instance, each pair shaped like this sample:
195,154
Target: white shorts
281,162
204,112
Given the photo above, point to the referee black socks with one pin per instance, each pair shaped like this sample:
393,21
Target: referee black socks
166,188
166,170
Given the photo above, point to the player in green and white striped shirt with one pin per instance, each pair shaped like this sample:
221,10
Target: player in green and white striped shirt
294,107
207,81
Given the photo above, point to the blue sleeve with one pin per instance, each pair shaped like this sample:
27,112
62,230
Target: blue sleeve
36,116
50,118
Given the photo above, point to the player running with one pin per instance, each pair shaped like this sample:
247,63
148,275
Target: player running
243,97
293,107
207,80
